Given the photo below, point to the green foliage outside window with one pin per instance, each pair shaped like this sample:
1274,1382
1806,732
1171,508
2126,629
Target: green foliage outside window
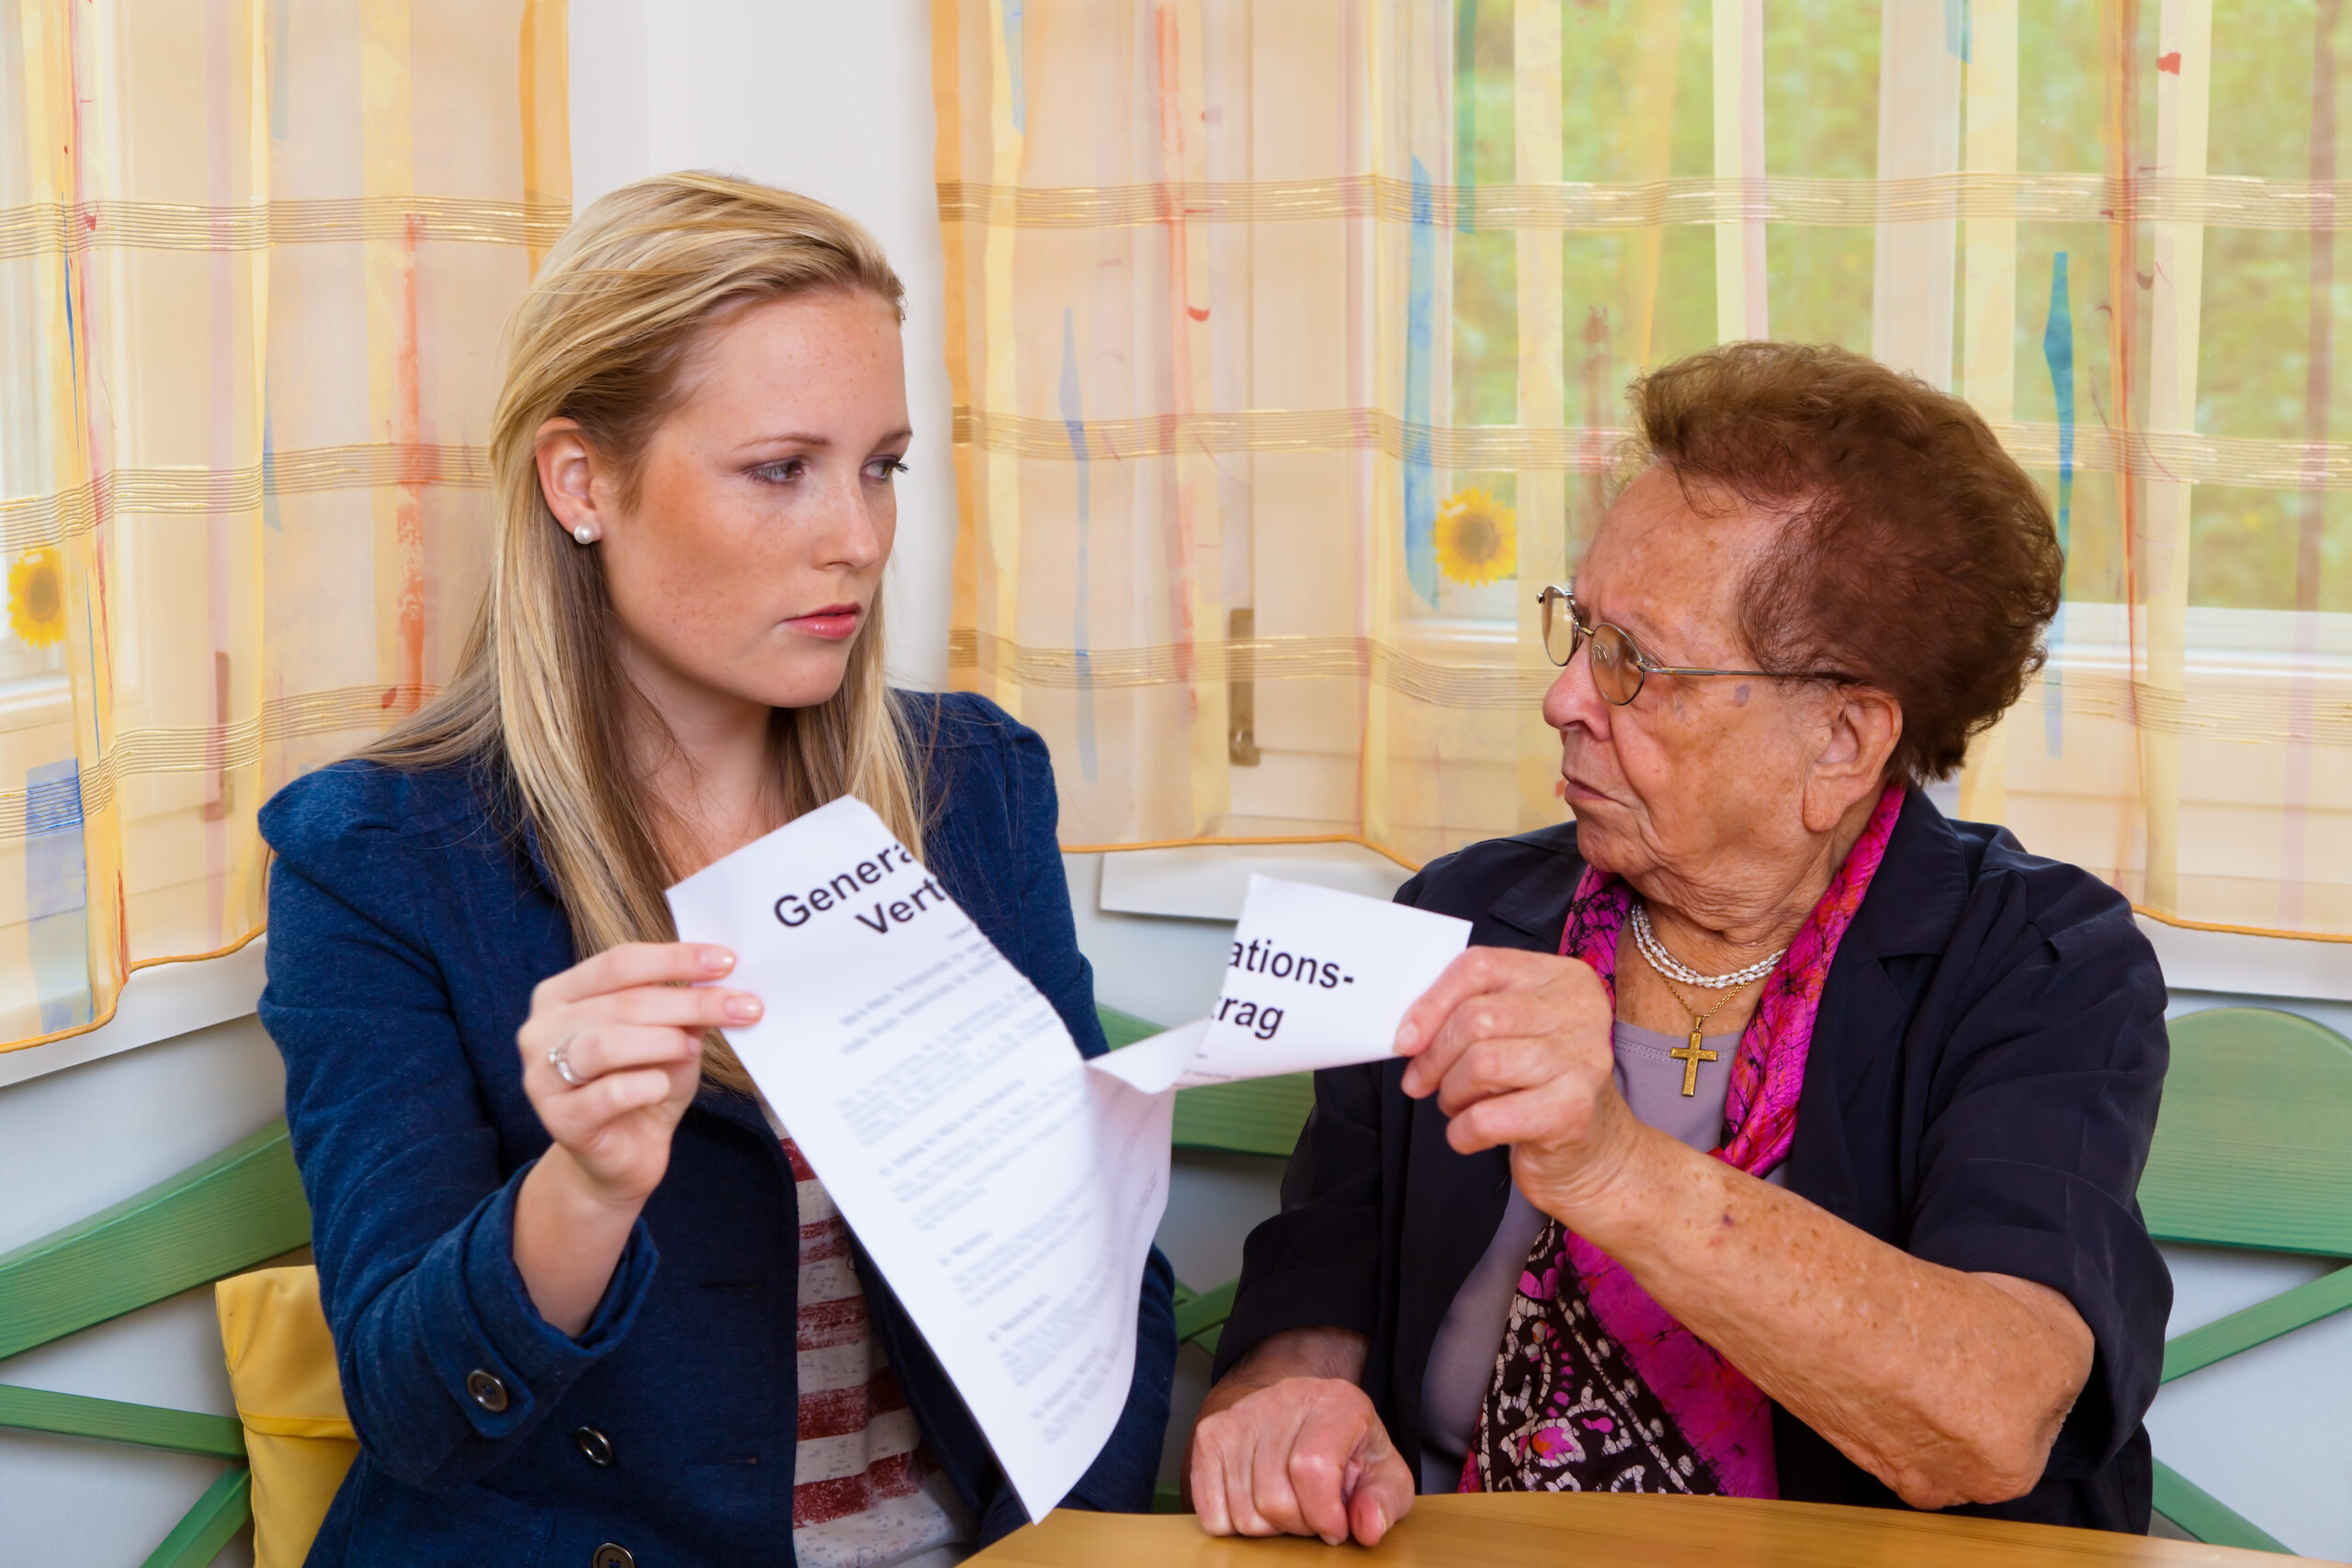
2271,364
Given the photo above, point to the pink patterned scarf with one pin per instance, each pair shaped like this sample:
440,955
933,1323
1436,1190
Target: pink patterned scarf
1597,1387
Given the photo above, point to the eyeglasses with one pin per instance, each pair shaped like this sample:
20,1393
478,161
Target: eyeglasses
1619,666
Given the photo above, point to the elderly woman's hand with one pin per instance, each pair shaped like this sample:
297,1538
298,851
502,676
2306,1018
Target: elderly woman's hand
1288,1444
1516,1047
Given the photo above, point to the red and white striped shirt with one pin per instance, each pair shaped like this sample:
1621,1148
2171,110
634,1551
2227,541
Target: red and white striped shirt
864,1493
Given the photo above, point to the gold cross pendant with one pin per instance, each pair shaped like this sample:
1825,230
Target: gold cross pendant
1691,1056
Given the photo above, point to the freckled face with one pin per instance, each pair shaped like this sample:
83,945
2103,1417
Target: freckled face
1697,776
764,512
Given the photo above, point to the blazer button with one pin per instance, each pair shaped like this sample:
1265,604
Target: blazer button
611,1556
488,1391
596,1446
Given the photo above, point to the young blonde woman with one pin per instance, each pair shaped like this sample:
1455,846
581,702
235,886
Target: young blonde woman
589,1304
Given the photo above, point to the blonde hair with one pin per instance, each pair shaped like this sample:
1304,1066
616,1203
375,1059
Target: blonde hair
539,695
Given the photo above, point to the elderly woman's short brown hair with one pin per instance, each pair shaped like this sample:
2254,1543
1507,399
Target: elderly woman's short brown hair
1918,558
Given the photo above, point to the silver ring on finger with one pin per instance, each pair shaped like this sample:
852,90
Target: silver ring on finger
558,1059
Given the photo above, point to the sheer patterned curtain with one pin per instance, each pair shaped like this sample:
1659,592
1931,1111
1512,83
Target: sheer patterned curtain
254,259
1289,340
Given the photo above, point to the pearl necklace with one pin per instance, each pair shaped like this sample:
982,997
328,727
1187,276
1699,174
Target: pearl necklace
1674,969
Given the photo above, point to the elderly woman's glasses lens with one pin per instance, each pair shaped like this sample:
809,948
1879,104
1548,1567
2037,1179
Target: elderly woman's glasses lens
1619,666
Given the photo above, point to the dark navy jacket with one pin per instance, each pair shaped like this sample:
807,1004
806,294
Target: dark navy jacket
1979,1092
407,929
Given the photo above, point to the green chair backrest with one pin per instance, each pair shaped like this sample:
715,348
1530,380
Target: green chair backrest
1264,1116
2253,1151
1123,1029
243,1206
2253,1145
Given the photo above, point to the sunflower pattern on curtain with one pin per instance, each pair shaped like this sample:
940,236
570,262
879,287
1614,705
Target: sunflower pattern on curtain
254,259
1289,342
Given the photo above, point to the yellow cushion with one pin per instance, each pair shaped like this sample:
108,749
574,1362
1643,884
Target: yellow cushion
281,1368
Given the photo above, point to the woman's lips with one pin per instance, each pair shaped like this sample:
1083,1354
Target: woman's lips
832,623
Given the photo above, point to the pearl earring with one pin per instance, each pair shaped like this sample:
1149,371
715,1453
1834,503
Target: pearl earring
585,533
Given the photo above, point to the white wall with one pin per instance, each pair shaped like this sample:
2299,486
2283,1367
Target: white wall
832,100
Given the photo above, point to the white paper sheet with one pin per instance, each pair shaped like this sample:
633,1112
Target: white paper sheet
1319,978
1007,1192
1316,978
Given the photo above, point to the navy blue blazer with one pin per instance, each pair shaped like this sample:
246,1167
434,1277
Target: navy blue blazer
408,923
1981,1092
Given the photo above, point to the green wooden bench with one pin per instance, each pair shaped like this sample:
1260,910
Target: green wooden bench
2249,1153
2253,1151
242,1207
245,1206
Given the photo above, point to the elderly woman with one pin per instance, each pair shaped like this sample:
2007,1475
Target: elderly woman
1777,1136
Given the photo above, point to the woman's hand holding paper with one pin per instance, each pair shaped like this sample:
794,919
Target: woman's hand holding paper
1516,1047
612,1056
628,1028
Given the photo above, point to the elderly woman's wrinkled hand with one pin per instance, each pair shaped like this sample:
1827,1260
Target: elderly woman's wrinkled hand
1516,1047
1303,1455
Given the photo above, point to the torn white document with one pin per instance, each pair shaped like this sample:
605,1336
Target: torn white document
1319,978
1009,1194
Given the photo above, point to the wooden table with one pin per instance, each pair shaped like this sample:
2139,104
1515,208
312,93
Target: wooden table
1539,1531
